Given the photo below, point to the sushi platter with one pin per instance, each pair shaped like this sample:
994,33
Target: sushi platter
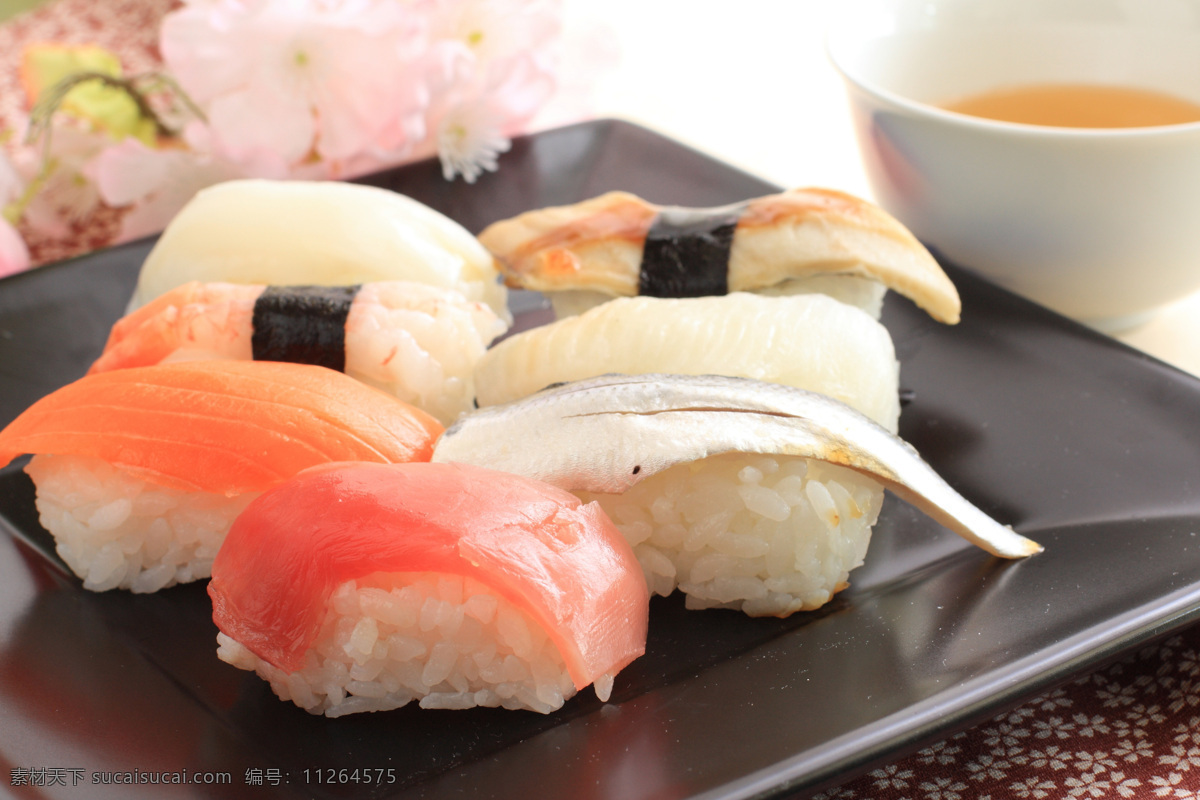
1074,440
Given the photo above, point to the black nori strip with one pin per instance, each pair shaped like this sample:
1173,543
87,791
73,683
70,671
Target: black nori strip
687,252
302,324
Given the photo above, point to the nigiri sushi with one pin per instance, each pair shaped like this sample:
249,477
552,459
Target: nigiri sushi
323,233
741,493
413,340
139,472
363,587
809,341
804,240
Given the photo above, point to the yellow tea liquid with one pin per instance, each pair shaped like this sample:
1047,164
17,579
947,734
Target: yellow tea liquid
1079,106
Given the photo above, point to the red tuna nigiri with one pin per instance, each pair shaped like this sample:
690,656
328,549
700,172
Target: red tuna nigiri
562,562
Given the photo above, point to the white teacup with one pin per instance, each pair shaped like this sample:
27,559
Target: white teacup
1100,224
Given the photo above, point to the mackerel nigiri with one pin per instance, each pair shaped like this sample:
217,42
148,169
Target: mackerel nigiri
741,493
139,472
416,341
363,587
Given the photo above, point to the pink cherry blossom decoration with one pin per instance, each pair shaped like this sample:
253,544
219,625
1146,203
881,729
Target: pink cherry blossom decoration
312,89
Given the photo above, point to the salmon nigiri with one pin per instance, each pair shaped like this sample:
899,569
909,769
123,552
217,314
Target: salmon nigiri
139,472
363,587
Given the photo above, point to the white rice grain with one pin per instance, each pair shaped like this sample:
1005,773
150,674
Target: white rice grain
478,665
420,343
767,534
116,531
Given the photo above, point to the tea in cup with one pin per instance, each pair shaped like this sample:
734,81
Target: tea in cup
1052,146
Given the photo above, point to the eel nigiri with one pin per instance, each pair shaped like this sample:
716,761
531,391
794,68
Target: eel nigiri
619,245
140,471
363,587
323,233
413,340
741,493
810,341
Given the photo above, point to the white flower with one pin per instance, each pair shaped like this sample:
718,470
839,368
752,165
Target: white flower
1167,786
943,789
1034,787
1052,726
1131,750
940,753
1181,758
298,78
497,30
1095,761
499,50
1090,727
1052,700
1004,739
986,767
469,141
1053,757
1090,784
891,777
1185,695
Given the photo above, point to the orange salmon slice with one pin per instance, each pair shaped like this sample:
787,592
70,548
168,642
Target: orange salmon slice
224,427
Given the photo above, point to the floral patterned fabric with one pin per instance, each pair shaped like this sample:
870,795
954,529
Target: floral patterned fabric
126,27
1128,730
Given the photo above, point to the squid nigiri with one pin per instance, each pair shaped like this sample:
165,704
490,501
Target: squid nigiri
809,341
413,340
363,587
140,471
804,240
323,233
741,493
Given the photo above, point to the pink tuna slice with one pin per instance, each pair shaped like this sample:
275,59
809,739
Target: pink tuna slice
562,562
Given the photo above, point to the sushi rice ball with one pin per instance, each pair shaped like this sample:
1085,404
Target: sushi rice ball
140,472
364,587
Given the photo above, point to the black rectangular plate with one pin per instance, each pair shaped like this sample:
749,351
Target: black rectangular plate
1080,442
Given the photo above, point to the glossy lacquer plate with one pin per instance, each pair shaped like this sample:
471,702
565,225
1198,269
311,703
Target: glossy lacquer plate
1079,442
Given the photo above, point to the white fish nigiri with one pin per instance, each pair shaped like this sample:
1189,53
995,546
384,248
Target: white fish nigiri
743,493
323,233
808,341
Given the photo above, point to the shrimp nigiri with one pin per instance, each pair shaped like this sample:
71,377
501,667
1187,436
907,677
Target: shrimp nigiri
140,471
413,340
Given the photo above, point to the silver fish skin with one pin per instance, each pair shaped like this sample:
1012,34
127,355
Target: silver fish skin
607,433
